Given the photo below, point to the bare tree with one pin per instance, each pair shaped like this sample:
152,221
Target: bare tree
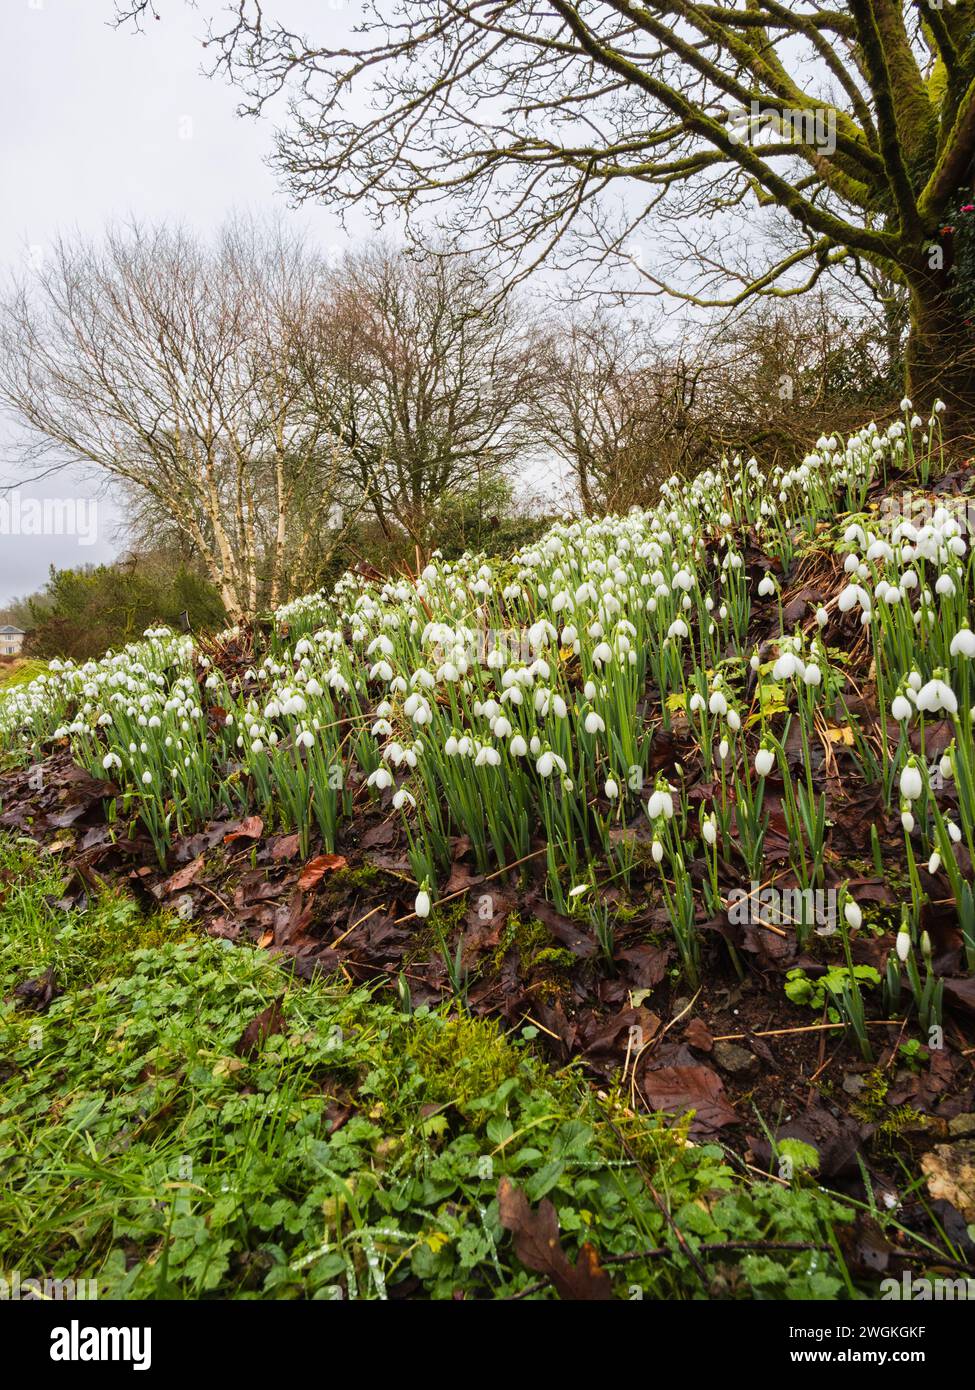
842,130
422,372
176,369
624,407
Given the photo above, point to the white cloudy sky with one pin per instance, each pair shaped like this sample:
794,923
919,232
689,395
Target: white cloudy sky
93,126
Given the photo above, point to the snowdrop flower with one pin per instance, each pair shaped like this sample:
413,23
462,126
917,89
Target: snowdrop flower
718,703
594,723
547,764
786,667
903,945
937,695
812,674
381,778
907,821
112,760
934,863
910,781
402,798
306,739
766,586
611,789
422,904
764,761
963,643
709,830
147,777
822,617
657,851
852,913
900,709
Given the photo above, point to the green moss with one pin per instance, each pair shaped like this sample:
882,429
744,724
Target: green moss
529,938
461,1058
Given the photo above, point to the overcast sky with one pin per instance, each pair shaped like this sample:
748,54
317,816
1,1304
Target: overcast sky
99,123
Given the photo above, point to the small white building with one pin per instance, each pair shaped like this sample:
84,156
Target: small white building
11,640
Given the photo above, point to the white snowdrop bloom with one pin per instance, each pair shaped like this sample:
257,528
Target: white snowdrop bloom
422,904
851,564
936,696
907,821
852,913
822,617
696,703
709,830
382,728
914,681
381,778
900,709
678,628
734,720
112,760
660,804
945,586
903,945
954,833
450,746
306,739
603,654
945,767
594,724
611,788
501,728
545,765
147,777
518,747
559,708
487,757
786,667
657,851
723,749
934,863
812,674
963,643
911,784
766,586
718,704
754,662
764,761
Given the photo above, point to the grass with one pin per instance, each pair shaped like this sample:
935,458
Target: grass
356,1152
21,672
